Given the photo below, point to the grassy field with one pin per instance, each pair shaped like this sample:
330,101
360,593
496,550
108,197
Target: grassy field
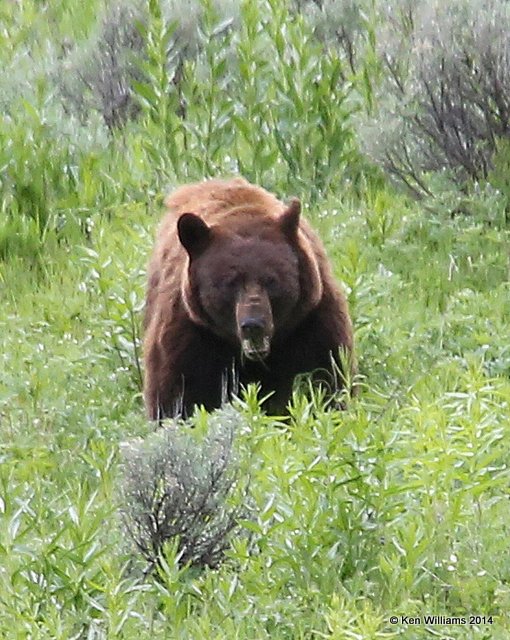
397,506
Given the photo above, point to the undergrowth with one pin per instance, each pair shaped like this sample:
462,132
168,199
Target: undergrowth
397,506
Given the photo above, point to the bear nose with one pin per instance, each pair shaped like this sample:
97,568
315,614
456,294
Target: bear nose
251,327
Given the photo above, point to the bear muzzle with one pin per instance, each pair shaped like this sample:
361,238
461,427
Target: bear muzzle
254,322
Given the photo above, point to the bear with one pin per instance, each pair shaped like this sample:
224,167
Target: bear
240,291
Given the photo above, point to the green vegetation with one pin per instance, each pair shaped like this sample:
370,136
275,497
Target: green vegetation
397,506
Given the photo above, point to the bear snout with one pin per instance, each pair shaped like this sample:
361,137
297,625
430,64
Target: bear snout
254,322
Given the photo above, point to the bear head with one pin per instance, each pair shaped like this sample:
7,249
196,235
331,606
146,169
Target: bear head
250,278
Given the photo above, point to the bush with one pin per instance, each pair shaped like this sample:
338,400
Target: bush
445,100
41,178
177,489
103,78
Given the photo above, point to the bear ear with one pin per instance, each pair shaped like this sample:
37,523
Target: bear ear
194,234
289,220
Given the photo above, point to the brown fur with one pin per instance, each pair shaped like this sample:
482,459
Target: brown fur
253,249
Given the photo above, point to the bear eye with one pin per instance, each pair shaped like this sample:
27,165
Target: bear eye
231,281
271,284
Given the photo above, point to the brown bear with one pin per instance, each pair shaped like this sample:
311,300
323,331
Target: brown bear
239,290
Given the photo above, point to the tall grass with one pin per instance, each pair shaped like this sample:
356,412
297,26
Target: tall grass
261,99
396,506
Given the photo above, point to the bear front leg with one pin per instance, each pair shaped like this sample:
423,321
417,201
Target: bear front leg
207,372
185,366
281,392
322,346
162,388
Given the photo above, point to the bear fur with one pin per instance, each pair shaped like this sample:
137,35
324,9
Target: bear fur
240,290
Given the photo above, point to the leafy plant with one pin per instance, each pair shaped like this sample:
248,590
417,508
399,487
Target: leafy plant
399,504
176,489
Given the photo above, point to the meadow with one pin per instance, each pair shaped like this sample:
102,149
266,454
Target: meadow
395,507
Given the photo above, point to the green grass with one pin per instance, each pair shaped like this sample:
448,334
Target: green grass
397,506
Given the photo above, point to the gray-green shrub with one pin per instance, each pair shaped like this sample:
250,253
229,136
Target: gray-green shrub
444,100
178,489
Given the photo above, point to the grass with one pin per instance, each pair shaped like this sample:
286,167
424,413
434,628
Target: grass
396,507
